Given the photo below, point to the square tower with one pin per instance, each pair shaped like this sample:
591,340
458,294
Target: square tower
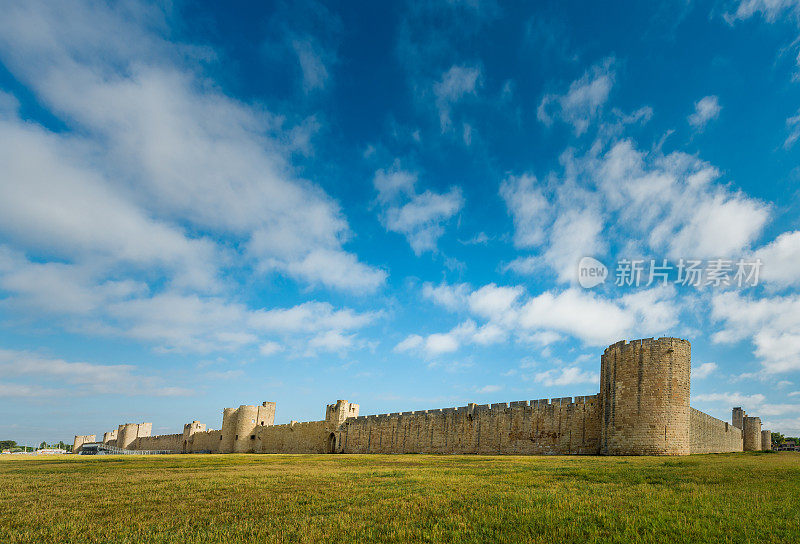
336,414
737,417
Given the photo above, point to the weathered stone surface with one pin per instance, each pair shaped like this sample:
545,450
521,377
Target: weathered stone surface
711,435
766,440
752,433
645,390
80,440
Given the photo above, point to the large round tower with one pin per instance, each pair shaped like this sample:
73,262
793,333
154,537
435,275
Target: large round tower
751,434
644,394
766,440
228,430
246,422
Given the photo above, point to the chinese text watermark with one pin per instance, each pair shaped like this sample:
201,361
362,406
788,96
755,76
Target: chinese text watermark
685,272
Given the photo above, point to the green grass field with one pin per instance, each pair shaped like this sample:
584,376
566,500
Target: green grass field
746,497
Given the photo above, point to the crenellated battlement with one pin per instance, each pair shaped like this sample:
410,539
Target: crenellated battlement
645,342
498,407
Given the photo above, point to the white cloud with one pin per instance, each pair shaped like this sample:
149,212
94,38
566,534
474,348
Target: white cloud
793,126
454,85
162,193
755,405
157,135
667,203
731,399
580,314
489,389
315,74
47,375
580,105
490,333
705,109
412,342
331,341
437,343
310,317
269,348
336,270
421,220
566,376
723,224
576,233
452,297
529,208
779,259
541,338
777,410
524,266
224,374
770,323
505,312
495,303
598,321
420,217
656,309
702,371
787,426
770,9
53,202
19,390
673,203
169,320
392,182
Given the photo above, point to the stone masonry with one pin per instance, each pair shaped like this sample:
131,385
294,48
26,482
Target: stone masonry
642,409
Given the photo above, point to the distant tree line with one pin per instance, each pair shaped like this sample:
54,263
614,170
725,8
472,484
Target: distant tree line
60,446
14,447
778,439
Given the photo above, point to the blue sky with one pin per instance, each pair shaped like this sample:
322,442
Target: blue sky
205,205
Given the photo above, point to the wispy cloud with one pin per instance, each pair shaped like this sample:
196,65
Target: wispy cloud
420,217
705,109
582,102
52,376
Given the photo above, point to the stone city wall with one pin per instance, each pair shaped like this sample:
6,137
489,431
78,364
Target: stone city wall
642,409
560,426
205,441
711,435
170,442
306,437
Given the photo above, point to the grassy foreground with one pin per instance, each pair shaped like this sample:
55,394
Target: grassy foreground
400,498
